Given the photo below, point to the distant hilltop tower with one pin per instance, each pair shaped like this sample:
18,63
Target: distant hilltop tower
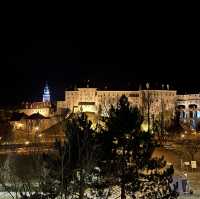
46,94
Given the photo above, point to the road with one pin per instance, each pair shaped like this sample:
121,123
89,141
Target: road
26,148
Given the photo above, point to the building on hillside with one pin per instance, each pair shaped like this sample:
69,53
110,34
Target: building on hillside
43,107
31,118
97,101
94,101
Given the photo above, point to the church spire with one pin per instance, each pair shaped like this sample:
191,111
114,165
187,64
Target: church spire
46,94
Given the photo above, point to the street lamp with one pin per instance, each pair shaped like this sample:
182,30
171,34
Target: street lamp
182,135
26,142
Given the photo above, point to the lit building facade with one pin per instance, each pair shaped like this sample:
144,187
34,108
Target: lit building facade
98,101
159,100
43,108
188,108
94,101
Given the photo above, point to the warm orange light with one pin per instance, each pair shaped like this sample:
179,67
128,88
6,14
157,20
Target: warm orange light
144,126
27,142
182,136
19,125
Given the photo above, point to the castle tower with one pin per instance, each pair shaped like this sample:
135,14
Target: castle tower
46,94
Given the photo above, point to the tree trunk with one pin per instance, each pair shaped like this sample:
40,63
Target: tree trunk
81,188
81,192
123,193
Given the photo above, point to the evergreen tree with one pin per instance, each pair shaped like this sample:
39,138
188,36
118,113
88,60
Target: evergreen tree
74,168
128,153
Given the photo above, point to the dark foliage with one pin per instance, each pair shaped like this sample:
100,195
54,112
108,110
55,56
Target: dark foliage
128,153
120,155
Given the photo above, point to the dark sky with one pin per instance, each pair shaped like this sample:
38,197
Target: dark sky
118,61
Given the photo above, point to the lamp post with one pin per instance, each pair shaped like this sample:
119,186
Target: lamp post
148,106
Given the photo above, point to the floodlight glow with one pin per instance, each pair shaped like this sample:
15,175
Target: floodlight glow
182,136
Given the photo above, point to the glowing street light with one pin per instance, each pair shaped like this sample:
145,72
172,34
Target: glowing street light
182,136
27,142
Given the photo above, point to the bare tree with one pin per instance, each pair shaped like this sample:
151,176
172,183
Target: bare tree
147,100
188,148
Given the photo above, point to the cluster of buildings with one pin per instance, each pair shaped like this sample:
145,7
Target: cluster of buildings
97,102
92,100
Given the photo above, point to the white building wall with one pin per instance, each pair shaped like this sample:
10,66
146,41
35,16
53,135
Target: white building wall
74,100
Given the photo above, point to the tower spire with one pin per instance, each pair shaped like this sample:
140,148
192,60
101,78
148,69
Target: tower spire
46,94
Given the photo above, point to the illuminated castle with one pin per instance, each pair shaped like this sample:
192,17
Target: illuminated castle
33,115
93,100
43,107
98,102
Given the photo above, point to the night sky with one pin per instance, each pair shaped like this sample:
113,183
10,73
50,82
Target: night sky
164,56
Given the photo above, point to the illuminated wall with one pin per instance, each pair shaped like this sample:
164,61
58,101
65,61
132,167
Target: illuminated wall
103,99
159,100
43,111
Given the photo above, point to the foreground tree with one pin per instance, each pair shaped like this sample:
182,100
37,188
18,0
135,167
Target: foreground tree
128,155
72,171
